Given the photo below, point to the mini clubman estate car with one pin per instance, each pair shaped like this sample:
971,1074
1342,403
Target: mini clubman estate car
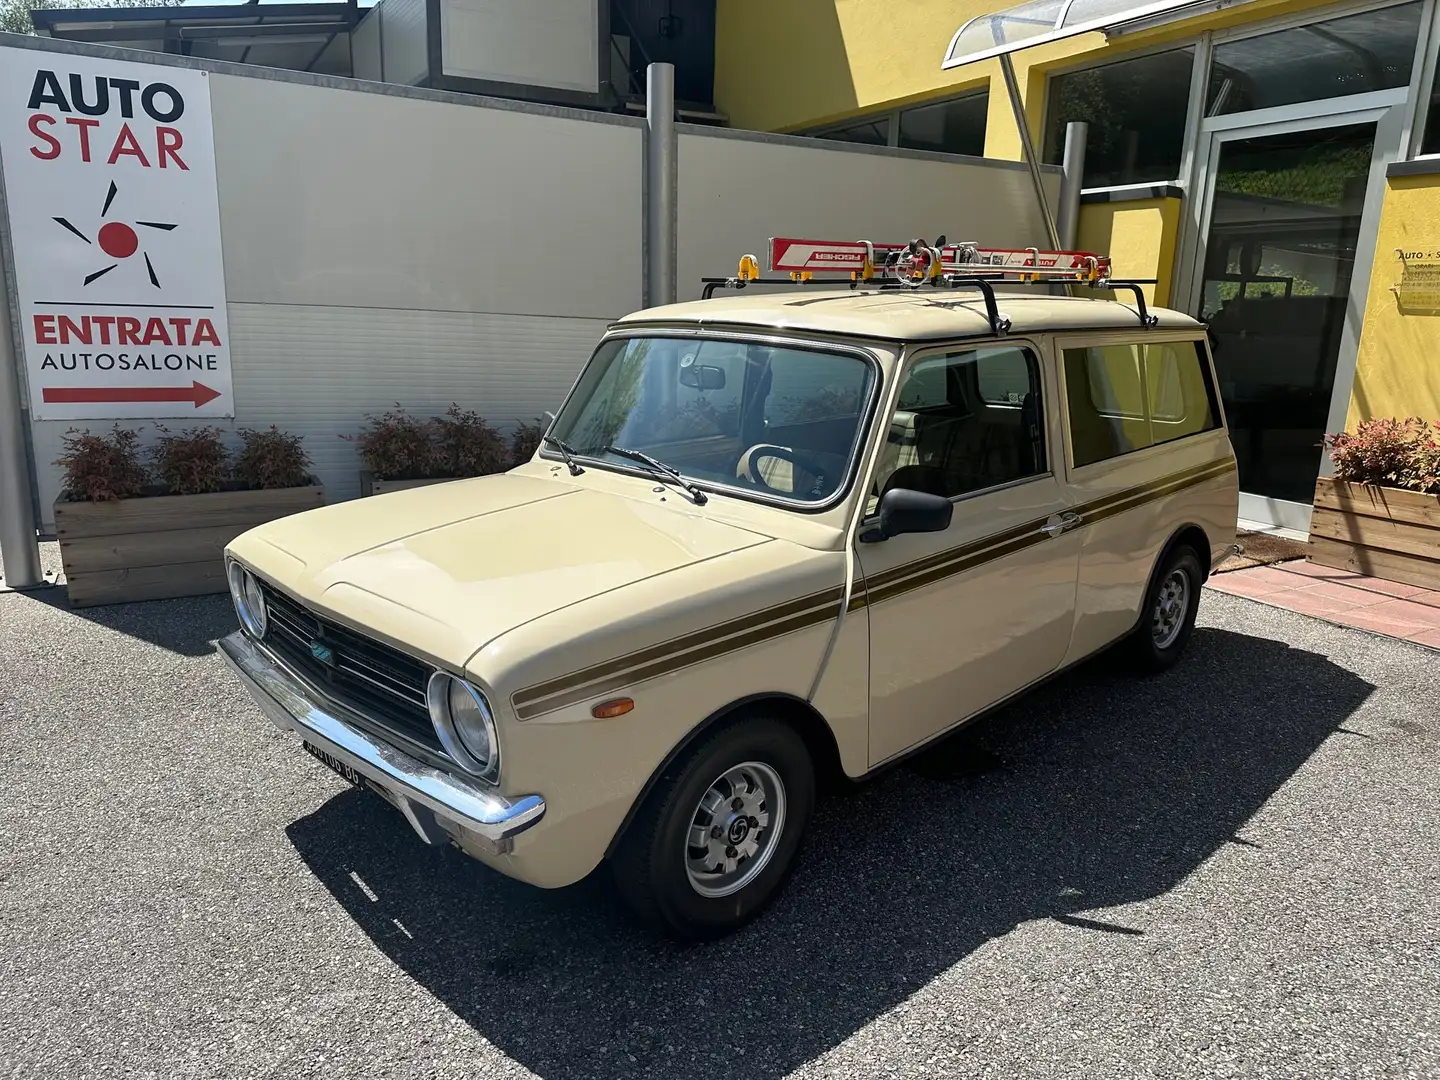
770,538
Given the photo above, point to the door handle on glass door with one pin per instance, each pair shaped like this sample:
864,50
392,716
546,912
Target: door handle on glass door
1059,523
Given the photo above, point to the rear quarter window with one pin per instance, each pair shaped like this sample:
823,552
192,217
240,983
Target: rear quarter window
1124,398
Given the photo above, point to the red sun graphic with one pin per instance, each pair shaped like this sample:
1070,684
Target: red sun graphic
118,240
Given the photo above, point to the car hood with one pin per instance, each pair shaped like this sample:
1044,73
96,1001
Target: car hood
442,570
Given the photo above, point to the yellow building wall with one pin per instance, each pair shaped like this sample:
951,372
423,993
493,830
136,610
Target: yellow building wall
786,65
1140,237
1397,373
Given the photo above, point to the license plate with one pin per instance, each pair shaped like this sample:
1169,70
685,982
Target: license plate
339,766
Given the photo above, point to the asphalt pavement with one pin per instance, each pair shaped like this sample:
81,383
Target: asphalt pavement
1230,870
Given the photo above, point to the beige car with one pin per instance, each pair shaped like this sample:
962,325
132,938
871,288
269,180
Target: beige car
770,539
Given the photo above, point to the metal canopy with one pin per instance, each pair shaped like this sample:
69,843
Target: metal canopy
294,36
1041,21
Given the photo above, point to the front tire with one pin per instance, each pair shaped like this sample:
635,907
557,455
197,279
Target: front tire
718,835
1168,618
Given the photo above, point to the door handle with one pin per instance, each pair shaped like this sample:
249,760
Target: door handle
1062,522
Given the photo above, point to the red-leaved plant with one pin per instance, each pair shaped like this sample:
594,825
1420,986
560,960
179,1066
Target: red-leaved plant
1389,453
102,467
271,458
526,440
193,462
465,445
397,446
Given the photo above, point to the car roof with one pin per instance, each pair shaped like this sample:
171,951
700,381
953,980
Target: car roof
903,315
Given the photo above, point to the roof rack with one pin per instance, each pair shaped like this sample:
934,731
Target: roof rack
938,265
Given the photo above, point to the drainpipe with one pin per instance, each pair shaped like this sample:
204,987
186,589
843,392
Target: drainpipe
19,547
1077,134
661,156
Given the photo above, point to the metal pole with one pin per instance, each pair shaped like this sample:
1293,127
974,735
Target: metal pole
661,156
1077,134
1027,145
19,549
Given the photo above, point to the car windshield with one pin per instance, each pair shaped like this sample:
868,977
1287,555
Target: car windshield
768,420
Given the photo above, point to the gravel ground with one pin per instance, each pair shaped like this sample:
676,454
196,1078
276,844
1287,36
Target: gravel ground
1232,870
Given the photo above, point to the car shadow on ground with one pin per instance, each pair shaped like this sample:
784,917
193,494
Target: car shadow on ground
188,626
1095,791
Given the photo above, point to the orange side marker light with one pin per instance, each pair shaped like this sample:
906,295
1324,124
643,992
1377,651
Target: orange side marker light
608,710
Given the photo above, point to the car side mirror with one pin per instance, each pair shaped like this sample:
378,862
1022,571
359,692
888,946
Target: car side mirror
905,511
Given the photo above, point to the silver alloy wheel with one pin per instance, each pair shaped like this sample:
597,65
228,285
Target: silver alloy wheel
734,829
1171,604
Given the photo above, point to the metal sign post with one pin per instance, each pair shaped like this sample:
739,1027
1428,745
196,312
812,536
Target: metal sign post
660,180
19,548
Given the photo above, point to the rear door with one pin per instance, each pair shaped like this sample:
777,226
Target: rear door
1145,455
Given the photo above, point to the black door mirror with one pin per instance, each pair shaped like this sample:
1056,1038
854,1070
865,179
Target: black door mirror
906,511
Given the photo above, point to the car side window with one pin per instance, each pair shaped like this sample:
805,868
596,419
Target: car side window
965,421
1123,398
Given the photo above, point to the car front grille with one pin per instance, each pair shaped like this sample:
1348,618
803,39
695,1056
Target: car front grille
379,682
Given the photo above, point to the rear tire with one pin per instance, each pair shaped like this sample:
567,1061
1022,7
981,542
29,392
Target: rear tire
1168,617
718,836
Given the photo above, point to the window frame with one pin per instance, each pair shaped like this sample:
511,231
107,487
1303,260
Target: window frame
1066,343
859,453
912,355
1424,76
1193,114
892,118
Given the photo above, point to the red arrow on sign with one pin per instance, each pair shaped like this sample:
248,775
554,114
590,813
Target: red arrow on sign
199,393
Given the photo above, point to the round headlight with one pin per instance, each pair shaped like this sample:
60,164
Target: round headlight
249,600
464,723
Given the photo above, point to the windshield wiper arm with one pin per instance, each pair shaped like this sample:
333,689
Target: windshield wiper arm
566,451
664,470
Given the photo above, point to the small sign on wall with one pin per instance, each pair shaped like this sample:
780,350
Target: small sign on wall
109,171
1418,290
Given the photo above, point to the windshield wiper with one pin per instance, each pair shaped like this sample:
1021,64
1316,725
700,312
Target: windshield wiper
565,450
663,470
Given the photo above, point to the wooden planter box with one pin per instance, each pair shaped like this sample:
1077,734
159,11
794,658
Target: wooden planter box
162,546
370,485
1379,531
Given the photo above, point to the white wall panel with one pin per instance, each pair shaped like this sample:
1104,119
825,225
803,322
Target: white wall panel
365,47
405,41
317,372
736,193
332,197
533,42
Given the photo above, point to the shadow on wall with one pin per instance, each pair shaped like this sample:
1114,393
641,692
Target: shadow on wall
746,63
1100,791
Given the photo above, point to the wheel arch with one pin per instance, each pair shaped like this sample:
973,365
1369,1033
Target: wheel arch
800,714
1191,535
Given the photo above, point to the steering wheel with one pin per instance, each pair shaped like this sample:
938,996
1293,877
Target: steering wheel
752,468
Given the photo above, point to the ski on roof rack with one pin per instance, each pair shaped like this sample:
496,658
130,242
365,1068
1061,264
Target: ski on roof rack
918,261
941,264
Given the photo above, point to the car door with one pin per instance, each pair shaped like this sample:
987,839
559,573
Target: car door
1146,455
962,618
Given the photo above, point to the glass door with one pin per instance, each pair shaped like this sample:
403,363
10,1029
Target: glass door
1279,262
1287,238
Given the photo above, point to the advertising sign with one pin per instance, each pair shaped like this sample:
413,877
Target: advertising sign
109,173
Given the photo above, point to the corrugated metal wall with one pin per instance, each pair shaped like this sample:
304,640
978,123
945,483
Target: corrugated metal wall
387,244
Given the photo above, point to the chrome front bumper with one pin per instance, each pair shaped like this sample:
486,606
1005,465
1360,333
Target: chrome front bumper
433,801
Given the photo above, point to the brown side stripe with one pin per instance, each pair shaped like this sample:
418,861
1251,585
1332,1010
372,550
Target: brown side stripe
902,579
827,601
817,608
676,662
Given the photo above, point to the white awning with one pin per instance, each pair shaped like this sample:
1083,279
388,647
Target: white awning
1042,21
